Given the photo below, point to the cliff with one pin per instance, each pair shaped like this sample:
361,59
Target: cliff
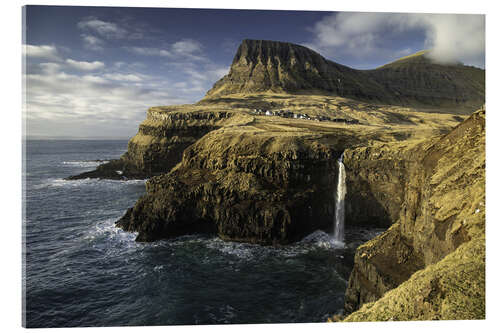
243,184
271,180
162,137
420,266
254,181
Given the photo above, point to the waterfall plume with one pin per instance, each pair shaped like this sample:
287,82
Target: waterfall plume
338,231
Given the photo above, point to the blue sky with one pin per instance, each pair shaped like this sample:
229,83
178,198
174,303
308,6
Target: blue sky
93,71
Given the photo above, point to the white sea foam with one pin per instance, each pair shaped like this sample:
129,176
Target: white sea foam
322,239
244,251
59,182
84,164
109,239
240,250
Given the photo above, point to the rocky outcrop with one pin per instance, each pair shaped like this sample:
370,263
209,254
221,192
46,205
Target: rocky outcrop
443,208
244,185
160,142
271,66
164,135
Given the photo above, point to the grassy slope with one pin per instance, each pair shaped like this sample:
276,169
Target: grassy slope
452,285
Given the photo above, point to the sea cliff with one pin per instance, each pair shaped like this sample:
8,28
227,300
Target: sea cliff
243,184
441,220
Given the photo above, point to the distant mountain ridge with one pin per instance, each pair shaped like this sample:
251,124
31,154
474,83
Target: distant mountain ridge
279,67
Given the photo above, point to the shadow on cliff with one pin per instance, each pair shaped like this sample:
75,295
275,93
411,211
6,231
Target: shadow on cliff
363,208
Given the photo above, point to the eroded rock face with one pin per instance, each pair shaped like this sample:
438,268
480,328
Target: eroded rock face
162,138
158,145
243,185
443,208
376,177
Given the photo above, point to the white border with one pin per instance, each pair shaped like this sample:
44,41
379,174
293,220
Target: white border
11,149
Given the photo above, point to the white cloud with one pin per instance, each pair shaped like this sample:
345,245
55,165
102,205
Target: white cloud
41,51
84,65
184,49
73,97
59,103
123,77
187,46
50,67
450,37
105,29
93,79
454,37
92,42
208,73
149,51
200,78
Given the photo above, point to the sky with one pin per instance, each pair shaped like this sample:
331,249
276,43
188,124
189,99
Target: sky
92,72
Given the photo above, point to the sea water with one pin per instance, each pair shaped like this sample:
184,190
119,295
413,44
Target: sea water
83,271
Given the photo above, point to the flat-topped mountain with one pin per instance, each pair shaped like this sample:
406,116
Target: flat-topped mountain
271,66
261,65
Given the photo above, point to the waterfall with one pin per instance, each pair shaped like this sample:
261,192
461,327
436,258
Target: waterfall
338,231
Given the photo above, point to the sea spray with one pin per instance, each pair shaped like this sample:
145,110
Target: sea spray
338,231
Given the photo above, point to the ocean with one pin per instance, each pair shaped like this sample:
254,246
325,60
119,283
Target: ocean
82,271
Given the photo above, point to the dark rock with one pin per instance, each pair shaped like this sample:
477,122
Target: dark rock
273,192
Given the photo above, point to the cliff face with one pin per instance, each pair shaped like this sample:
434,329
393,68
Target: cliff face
269,180
443,208
163,136
263,66
375,177
244,185
451,289
158,145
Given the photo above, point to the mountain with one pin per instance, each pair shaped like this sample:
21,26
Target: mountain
271,66
261,65
416,80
